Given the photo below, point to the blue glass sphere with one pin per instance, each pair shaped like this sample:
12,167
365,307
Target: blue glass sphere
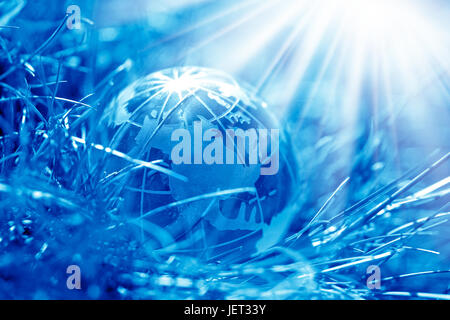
213,210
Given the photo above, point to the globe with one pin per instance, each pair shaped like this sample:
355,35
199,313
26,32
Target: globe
179,173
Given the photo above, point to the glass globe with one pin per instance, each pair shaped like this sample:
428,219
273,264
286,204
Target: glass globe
215,210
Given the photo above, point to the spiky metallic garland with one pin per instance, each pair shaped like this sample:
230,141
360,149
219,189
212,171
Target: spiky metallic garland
53,212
